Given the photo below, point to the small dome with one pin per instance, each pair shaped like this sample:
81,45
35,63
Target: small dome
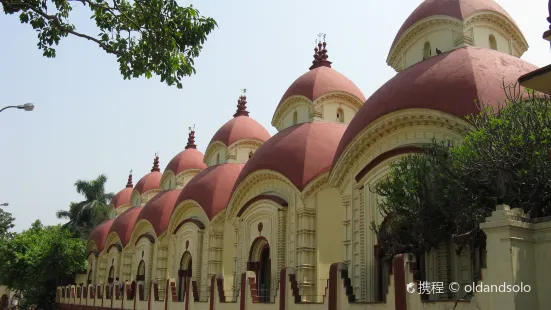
123,197
212,188
99,234
158,210
460,9
321,81
301,152
151,180
449,82
240,127
124,224
189,158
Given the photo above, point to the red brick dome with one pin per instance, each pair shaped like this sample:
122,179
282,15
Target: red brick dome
449,82
460,9
321,81
124,224
300,153
212,188
99,234
188,159
151,180
240,127
158,210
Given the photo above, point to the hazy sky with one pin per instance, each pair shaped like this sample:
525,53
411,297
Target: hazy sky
89,121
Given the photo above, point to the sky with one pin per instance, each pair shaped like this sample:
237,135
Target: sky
89,121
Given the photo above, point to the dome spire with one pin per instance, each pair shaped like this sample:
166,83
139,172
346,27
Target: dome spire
156,164
191,138
242,105
320,53
129,183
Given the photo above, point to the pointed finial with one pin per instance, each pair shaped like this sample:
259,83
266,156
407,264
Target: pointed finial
191,138
129,183
242,105
320,53
156,163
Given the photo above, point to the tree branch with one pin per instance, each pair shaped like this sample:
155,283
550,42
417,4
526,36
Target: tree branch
58,24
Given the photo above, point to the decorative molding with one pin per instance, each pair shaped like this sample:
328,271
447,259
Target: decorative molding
275,199
196,222
147,236
340,97
167,175
180,178
247,185
286,106
117,245
249,143
315,185
418,30
213,148
501,24
385,126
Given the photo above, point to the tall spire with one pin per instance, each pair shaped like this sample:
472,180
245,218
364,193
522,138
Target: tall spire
191,139
129,183
320,54
156,164
242,105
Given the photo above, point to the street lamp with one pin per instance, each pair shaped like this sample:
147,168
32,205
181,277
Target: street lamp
27,107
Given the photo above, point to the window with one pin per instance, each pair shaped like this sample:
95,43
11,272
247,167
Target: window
217,159
426,50
493,43
295,118
250,154
340,115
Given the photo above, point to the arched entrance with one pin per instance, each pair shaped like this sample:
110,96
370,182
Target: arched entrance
140,281
184,275
90,276
260,263
111,276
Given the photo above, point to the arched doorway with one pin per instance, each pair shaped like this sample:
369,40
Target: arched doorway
140,281
260,263
90,276
184,274
111,276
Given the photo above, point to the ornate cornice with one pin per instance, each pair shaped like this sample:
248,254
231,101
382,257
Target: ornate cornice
419,29
501,24
168,174
315,185
252,143
186,173
286,106
498,22
341,97
247,185
386,125
182,212
212,148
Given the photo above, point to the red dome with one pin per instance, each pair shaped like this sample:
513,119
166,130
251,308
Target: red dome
449,82
300,153
124,224
460,9
320,81
186,160
212,188
238,128
99,234
158,210
148,182
122,197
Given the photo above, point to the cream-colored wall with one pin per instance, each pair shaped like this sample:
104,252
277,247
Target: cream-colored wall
482,39
219,153
242,154
303,115
228,254
329,232
438,38
330,112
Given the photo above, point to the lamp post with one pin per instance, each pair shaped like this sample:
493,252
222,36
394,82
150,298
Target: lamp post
27,107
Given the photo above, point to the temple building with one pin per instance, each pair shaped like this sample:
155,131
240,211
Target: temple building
258,218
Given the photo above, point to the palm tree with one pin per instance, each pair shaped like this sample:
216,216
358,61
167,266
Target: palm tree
85,215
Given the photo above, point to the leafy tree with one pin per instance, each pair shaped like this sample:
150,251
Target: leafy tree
147,36
6,223
39,259
445,192
85,215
